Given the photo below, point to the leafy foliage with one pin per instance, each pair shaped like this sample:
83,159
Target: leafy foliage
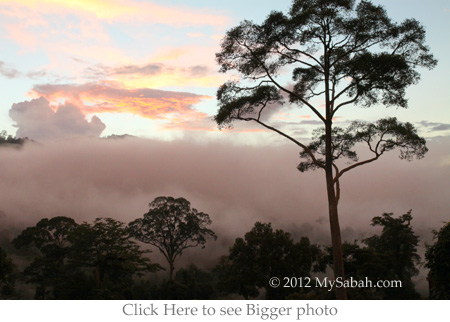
399,241
8,276
390,256
438,261
99,261
355,48
262,254
50,237
199,284
9,139
106,246
67,249
190,283
172,226
380,137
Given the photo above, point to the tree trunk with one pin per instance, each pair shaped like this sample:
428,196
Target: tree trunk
336,242
171,269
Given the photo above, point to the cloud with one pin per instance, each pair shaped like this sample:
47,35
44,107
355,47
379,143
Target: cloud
149,69
155,75
37,120
236,185
110,97
64,29
435,126
198,70
8,71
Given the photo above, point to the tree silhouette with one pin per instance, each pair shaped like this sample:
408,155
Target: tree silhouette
438,261
50,237
8,274
9,139
264,253
342,52
172,226
106,246
398,246
190,283
389,256
199,284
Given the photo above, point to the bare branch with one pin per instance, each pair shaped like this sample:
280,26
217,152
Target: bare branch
355,165
304,147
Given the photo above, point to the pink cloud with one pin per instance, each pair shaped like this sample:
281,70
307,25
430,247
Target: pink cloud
8,72
36,119
109,97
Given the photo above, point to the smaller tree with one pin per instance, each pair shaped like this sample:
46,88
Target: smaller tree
438,261
106,247
398,243
199,283
50,237
361,262
172,226
264,253
7,276
189,283
391,255
6,139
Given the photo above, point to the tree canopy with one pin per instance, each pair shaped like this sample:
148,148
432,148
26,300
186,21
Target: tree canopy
98,260
172,226
50,237
8,275
264,253
6,139
398,243
342,48
437,259
106,246
66,250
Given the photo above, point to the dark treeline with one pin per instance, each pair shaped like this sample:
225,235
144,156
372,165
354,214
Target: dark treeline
107,259
6,139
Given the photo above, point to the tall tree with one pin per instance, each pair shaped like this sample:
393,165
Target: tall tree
345,53
172,226
438,261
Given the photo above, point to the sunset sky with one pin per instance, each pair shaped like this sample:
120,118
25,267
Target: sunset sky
92,68
147,68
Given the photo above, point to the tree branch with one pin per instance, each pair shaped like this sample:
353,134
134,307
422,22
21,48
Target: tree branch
344,103
292,93
337,183
356,165
304,147
263,66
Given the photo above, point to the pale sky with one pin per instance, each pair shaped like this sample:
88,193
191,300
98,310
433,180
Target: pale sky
147,68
